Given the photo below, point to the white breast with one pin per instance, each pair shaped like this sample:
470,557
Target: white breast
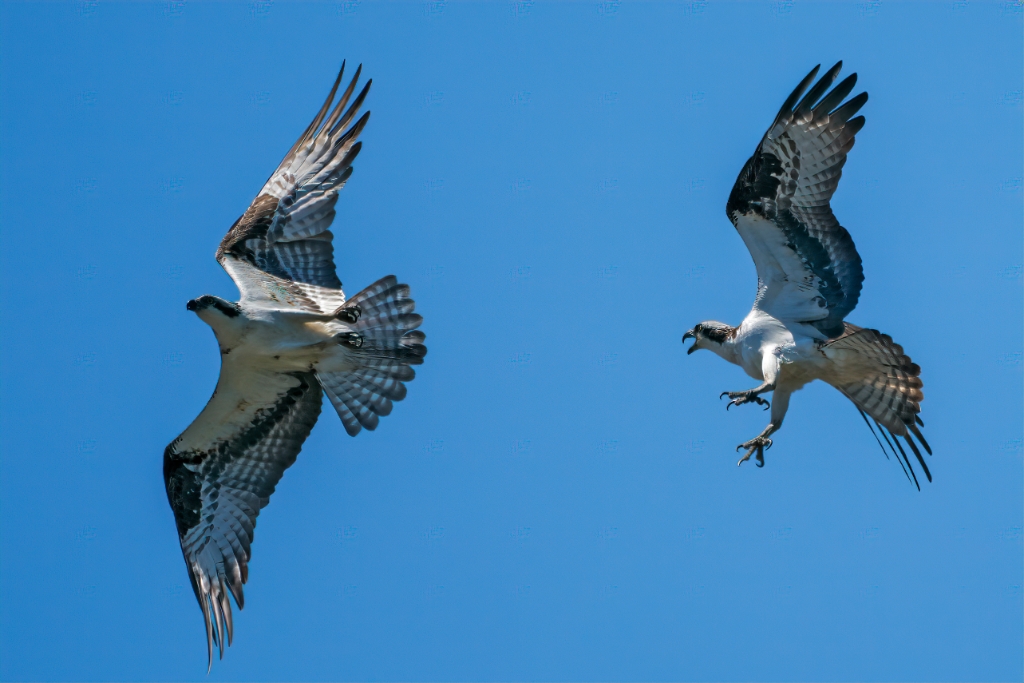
760,334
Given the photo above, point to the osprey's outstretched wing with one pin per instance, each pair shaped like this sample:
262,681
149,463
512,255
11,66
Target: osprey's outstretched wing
285,230
807,267
222,470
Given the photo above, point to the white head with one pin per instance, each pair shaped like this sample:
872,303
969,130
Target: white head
711,335
219,314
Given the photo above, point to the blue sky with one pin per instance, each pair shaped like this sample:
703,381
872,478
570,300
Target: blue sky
557,498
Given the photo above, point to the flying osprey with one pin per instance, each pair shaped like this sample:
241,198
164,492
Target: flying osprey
291,337
809,278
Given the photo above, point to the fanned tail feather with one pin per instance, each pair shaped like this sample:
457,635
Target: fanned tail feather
390,344
887,389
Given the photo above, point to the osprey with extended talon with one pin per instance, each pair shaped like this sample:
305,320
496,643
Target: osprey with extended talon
291,338
809,278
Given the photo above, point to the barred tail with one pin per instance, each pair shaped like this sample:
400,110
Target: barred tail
885,387
382,315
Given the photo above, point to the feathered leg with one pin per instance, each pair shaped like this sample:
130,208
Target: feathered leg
770,367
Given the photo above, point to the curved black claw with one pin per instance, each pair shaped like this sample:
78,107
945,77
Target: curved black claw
741,397
756,445
351,339
350,314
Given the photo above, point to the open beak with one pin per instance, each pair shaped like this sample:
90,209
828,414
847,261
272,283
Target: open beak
690,335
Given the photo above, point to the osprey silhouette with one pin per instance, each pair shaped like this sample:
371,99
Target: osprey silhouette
291,337
809,278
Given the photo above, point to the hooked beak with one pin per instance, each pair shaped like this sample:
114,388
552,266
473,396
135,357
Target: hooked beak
192,305
690,335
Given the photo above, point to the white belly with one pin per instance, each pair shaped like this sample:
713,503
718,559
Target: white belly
284,342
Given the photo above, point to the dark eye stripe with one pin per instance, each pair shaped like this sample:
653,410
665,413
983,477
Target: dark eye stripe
229,311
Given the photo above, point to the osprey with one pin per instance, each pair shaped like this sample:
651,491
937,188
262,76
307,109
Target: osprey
290,338
809,278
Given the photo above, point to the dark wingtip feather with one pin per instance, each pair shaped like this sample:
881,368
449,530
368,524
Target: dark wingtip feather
350,156
865,418
854,125
908,471
906,459
852,106
346,118
354,131
225,606
884,452
902,452
913,447
345,175
311,129
219,623
362,95
238,593
838,94
315,123
209,634
352,85
920,437
339,106
819,89
794,97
